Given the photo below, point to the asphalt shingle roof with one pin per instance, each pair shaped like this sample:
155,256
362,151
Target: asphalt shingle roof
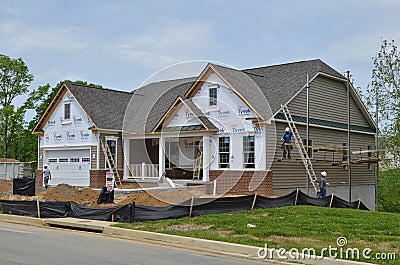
199,114
150,102
104,106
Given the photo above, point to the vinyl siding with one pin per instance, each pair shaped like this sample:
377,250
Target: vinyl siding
292,174
328,101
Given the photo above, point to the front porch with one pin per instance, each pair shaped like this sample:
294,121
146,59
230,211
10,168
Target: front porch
173,156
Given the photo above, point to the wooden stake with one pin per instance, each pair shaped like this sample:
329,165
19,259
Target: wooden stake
330,204
112,217
38,208
297,195
358,206
254,201
191,207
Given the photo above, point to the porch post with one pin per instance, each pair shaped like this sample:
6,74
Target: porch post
161,157
206,157
126,161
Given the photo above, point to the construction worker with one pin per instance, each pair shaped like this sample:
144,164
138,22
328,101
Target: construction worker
46,176
286,140
322,185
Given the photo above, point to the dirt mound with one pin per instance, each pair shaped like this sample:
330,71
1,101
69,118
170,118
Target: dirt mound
88,197
65,192
5,189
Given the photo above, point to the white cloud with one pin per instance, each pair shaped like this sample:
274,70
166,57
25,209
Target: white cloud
21,37
163,45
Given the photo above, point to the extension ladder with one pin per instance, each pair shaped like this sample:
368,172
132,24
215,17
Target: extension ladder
197,166
110,162
301,148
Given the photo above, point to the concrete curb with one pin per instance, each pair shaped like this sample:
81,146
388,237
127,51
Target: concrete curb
203,245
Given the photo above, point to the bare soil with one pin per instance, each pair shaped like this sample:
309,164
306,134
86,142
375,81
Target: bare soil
88,196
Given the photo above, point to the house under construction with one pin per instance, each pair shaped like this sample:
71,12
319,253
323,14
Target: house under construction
221,128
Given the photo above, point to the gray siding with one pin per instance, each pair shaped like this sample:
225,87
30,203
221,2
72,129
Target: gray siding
328,101
291,173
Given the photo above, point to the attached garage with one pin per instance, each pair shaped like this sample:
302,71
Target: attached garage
69,166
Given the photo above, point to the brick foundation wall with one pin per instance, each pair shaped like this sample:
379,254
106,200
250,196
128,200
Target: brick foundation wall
98,178
239,182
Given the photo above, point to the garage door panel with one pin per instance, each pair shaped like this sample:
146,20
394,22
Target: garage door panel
69,166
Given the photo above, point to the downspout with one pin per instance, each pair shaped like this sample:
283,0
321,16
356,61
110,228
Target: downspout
376,147
307,129
348,134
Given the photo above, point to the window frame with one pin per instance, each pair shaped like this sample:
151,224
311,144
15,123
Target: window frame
114,155
224,155
247,152
213,95
345,153
67,111
369,156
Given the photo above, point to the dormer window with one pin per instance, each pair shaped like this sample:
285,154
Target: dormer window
67,111
213,94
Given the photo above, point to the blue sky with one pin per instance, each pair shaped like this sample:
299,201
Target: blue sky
119,44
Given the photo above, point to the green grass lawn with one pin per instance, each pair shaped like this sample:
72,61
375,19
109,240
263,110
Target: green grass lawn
291,227
389,190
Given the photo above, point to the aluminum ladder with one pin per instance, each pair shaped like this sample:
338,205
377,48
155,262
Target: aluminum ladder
197,165
301,148
110,162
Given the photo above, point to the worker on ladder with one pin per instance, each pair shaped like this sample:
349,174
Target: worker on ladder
286,140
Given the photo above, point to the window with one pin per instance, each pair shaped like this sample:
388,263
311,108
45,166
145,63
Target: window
213,91
369,156
67,111
171,154
85,159
248,152
52,160
112,146
74,159
63,160
344,152
309,149
223,152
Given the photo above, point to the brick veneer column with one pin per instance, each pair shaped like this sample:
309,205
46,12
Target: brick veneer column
39,178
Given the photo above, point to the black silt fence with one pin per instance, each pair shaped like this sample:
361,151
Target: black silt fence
24,186
193,207
145,213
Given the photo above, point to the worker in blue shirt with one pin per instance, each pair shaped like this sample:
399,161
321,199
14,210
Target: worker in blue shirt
287,138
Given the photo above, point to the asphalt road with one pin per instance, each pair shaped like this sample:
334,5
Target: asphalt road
23,245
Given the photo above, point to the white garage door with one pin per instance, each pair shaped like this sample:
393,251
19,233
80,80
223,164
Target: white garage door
70,167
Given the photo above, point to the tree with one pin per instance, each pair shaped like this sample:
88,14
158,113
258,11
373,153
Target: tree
14,81
384,91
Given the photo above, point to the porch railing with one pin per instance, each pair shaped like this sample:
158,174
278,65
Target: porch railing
143,170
